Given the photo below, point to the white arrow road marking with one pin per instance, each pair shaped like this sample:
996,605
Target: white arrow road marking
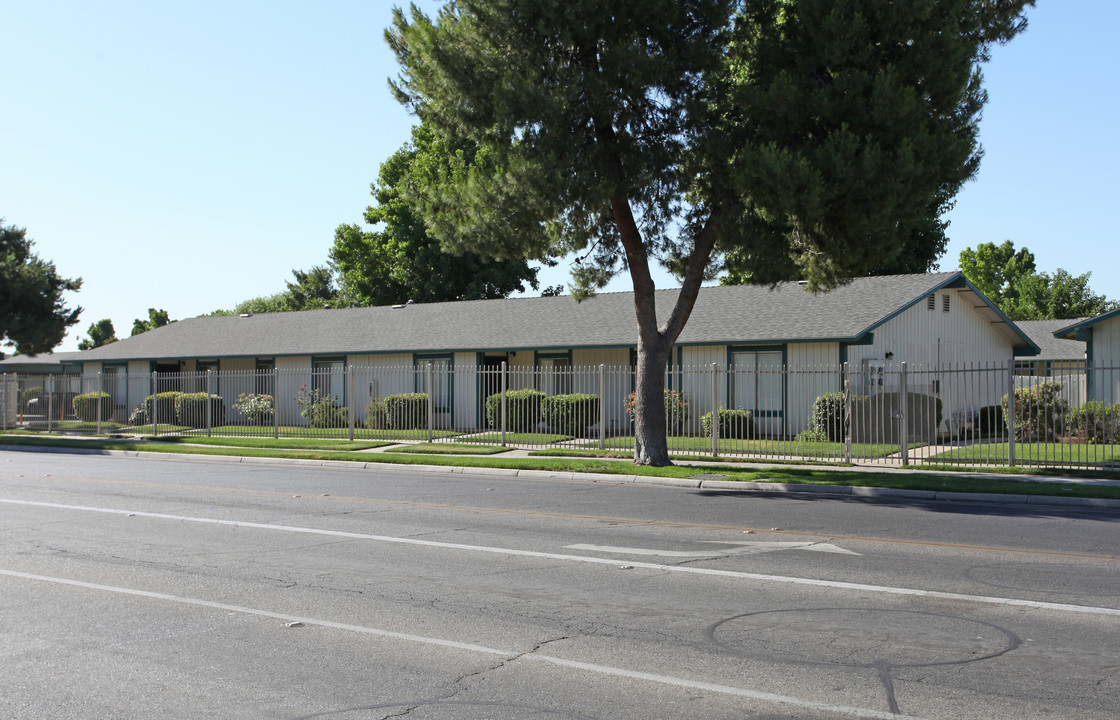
739,548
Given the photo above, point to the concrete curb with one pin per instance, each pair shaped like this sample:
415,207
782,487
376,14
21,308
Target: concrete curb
721,485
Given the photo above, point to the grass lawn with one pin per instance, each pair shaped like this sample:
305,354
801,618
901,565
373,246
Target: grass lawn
452,449
1056,453
779,448
280,444
521,438
302,431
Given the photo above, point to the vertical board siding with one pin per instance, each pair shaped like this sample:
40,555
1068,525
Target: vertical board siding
697,386
929,339
1106,360
814,371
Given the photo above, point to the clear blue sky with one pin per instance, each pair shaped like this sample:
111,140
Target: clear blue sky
187,156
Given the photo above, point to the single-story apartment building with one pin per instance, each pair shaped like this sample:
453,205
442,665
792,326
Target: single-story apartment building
1101,335
761,336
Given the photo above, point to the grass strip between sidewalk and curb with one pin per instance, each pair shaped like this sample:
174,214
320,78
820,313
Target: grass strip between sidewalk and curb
901,480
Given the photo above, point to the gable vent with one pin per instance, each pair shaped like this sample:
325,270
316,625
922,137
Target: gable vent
931,302
944,303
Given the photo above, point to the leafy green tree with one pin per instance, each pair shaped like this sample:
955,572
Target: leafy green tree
100,333
33,315
1013,283
156,319
800,138
313,289
401,260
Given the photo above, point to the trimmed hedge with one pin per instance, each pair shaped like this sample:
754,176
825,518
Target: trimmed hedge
85,406
407,411
570,414
827,418
991,419
190,409
736,424
1039,412
523,410
1096,422
164,404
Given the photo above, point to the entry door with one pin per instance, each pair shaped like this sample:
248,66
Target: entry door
757,385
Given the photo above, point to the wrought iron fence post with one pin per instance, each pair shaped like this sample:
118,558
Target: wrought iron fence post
209,401
275,403
602,406
50,387
903,410
155,405
504,368
4,401
431,403
350,397
715,410
847,413
1011,413
100,390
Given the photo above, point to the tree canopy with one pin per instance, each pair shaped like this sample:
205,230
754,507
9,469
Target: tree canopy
1011,280
100,333
400,260
805,138
156,318
33,314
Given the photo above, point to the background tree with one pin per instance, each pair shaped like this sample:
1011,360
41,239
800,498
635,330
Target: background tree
100,333
156,318
33,315
1012,282
313,289
401,260
796,137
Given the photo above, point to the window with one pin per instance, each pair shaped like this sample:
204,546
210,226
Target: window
555,373
328,377
264,370
441,380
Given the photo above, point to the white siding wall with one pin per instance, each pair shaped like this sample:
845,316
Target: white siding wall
465,391
814,369
697,386
1106,358
925,339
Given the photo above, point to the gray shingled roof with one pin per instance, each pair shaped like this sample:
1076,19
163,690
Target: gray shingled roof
736,314
1041,332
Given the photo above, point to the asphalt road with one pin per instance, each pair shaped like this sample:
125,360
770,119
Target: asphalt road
137,588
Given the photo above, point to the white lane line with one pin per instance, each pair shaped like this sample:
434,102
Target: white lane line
508,655
813,582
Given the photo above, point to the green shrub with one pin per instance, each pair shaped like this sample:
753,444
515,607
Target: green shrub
407,411
321,411
827,417
257,409
523,410
676,410
29,394
570,414
377,415
165,409
1039,412
190,409
85,406
1096,422
990,419
738,424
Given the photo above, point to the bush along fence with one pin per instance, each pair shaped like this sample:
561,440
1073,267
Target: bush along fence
867,413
